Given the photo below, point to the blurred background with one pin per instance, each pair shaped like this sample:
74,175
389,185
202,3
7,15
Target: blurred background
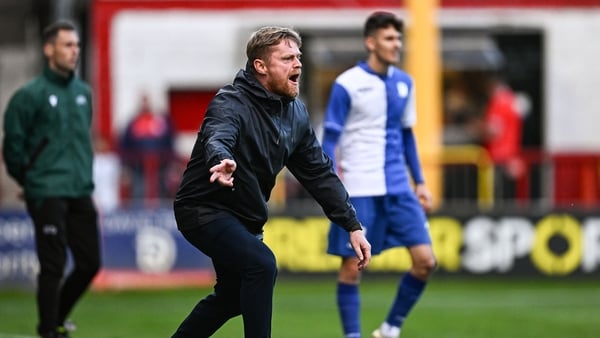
508,127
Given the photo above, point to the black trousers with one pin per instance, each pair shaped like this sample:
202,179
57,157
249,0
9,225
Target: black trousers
63,224
246,271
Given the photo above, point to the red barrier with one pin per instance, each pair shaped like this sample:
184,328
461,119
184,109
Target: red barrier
576,180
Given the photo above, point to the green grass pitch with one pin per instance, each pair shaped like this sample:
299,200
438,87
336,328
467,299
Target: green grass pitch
304,306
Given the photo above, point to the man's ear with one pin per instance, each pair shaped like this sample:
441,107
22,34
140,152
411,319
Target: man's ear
370,43
48,50
260,66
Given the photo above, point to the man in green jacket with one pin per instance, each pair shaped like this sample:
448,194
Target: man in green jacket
48,150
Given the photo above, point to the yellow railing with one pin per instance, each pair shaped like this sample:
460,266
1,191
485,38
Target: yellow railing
477,156
450,155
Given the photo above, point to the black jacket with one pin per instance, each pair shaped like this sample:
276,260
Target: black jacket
262,132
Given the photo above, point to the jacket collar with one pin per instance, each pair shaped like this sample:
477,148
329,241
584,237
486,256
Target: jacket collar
365,66
56,78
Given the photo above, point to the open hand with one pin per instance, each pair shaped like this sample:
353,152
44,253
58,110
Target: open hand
223,172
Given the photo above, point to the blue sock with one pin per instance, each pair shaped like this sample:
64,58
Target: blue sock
409,292
348,301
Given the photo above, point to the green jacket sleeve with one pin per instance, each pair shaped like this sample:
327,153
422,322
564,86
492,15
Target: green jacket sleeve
17,121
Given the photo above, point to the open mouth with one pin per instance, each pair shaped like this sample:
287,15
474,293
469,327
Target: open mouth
295,78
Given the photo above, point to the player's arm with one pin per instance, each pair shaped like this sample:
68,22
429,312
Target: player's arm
411,153
334,121
414,165
17,120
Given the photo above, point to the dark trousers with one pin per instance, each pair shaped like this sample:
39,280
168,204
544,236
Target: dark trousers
246,271
62,224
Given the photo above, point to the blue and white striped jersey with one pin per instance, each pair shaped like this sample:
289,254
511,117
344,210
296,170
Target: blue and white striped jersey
367,122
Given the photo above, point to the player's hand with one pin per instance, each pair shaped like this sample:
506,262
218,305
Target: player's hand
361,247
424,197
223,172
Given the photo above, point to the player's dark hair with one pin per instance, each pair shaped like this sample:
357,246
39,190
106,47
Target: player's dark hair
51,31
379,20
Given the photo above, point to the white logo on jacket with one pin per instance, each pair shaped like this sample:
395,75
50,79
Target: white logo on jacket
80,100
53,100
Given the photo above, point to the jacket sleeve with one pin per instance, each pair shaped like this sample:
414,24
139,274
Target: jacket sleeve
314,171
18,118
219,131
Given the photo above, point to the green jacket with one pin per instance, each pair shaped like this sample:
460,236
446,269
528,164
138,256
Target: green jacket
47,144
